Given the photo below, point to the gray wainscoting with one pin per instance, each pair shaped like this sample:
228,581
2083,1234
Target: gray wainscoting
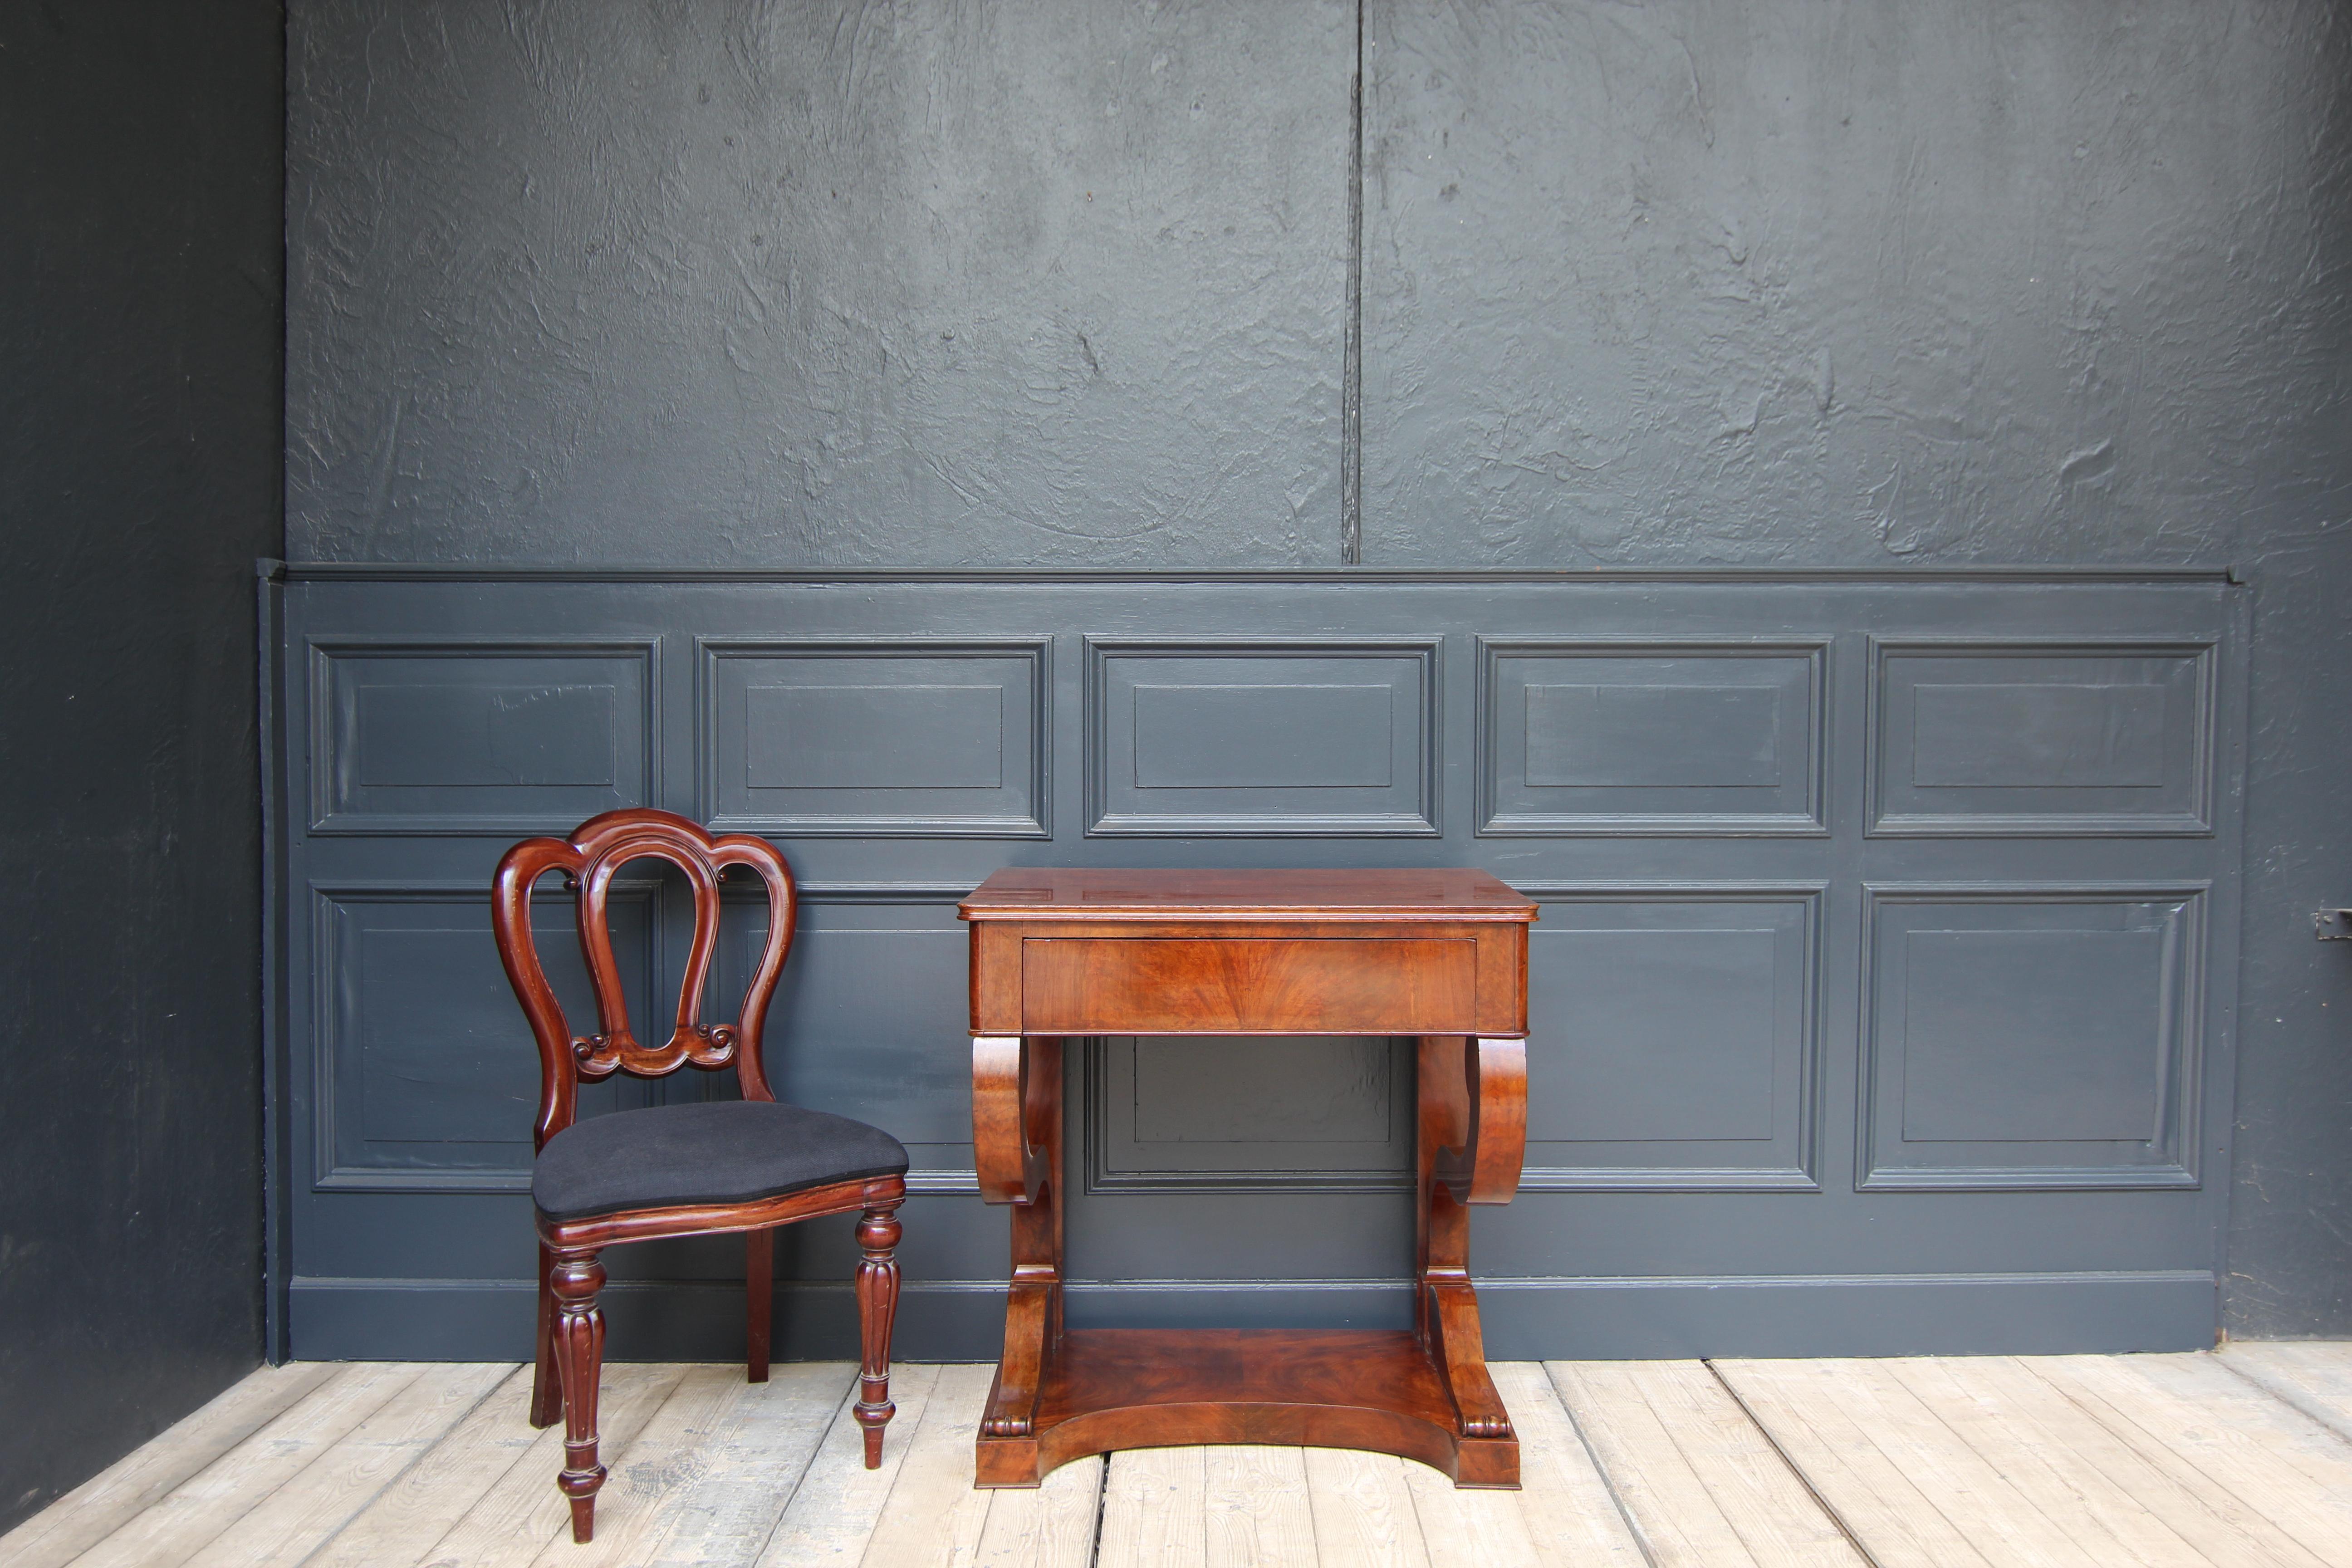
1881,998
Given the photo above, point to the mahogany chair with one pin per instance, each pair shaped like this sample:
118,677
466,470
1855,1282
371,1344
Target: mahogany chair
744,1165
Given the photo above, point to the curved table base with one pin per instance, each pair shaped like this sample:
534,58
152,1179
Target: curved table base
1107,1389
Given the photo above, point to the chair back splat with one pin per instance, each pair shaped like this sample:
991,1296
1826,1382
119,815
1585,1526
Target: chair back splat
589,859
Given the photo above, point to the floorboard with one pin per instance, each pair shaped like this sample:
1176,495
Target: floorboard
313,1507
187,1519
933,1514
1699,1482
517,1510
144,1476
2315,1376
832,1511
2240,1460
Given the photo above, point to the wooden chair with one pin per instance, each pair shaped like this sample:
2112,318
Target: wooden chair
681,1169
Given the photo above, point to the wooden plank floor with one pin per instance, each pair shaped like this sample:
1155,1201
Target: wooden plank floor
2239,1457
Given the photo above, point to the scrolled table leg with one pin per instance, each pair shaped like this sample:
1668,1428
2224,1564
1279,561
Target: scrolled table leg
1017,1149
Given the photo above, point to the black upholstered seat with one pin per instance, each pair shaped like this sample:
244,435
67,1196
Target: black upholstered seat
720,1151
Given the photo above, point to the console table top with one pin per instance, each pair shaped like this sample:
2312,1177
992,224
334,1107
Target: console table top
1098,893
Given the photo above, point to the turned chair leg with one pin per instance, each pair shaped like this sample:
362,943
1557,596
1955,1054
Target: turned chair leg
546,1384
758,1285
877,1306
579,1354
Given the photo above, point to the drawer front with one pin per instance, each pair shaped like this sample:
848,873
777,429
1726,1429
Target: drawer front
1154,985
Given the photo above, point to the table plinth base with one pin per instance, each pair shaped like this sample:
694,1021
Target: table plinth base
1106,1389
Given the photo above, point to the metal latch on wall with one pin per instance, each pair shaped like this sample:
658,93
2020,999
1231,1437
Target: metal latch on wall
2333,925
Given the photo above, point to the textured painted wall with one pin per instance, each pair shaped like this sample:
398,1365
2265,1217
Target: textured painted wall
1713,284
1696,283
941,283
1855,285
139,477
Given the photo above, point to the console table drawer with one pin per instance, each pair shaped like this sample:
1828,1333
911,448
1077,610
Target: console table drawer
1174,985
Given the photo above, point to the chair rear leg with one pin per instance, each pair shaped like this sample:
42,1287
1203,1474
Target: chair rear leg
877,1309
546,1383
758,1285
579,1355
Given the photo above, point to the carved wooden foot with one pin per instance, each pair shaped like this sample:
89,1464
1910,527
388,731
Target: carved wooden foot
579,1353
877,1309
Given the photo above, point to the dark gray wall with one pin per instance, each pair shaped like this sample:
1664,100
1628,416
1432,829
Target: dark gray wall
1675,286
751,284
139,263
1883,285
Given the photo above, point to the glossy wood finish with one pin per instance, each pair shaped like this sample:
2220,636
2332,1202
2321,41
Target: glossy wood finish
571,1325
1095,985
1437,954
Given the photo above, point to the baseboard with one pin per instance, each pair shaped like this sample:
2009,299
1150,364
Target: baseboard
1605,1320
1848,1315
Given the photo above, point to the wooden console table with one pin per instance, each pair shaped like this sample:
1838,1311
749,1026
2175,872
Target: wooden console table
1438,954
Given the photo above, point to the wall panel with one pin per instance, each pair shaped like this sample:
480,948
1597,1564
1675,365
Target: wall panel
1238,739
493,736
1589,738
876,739
1817,1019
2032,1035
1675,1039
2023,738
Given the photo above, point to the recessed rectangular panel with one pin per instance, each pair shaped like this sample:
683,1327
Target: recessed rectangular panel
1249,1113
2042,740
1610,738
434,1069
2050,734
1671,1039
1671,1034
2030,1038
2043,1036
1264,736
1347,1097
1661,737
429,1077
1251,739
455,738
875,739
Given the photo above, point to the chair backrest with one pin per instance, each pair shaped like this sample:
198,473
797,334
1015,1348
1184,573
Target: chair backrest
597,849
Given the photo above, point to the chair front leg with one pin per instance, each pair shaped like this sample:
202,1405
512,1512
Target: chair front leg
758,1300
574,1279
546,1383
877,1306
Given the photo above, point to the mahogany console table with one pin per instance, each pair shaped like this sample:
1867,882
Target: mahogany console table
1438,954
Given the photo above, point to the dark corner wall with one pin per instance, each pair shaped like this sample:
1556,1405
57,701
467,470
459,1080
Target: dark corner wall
141,324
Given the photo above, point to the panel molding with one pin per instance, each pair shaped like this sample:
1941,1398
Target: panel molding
1103,822
1037,651
2196,821
318,655
2180,1088
1802,1178
1493,822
